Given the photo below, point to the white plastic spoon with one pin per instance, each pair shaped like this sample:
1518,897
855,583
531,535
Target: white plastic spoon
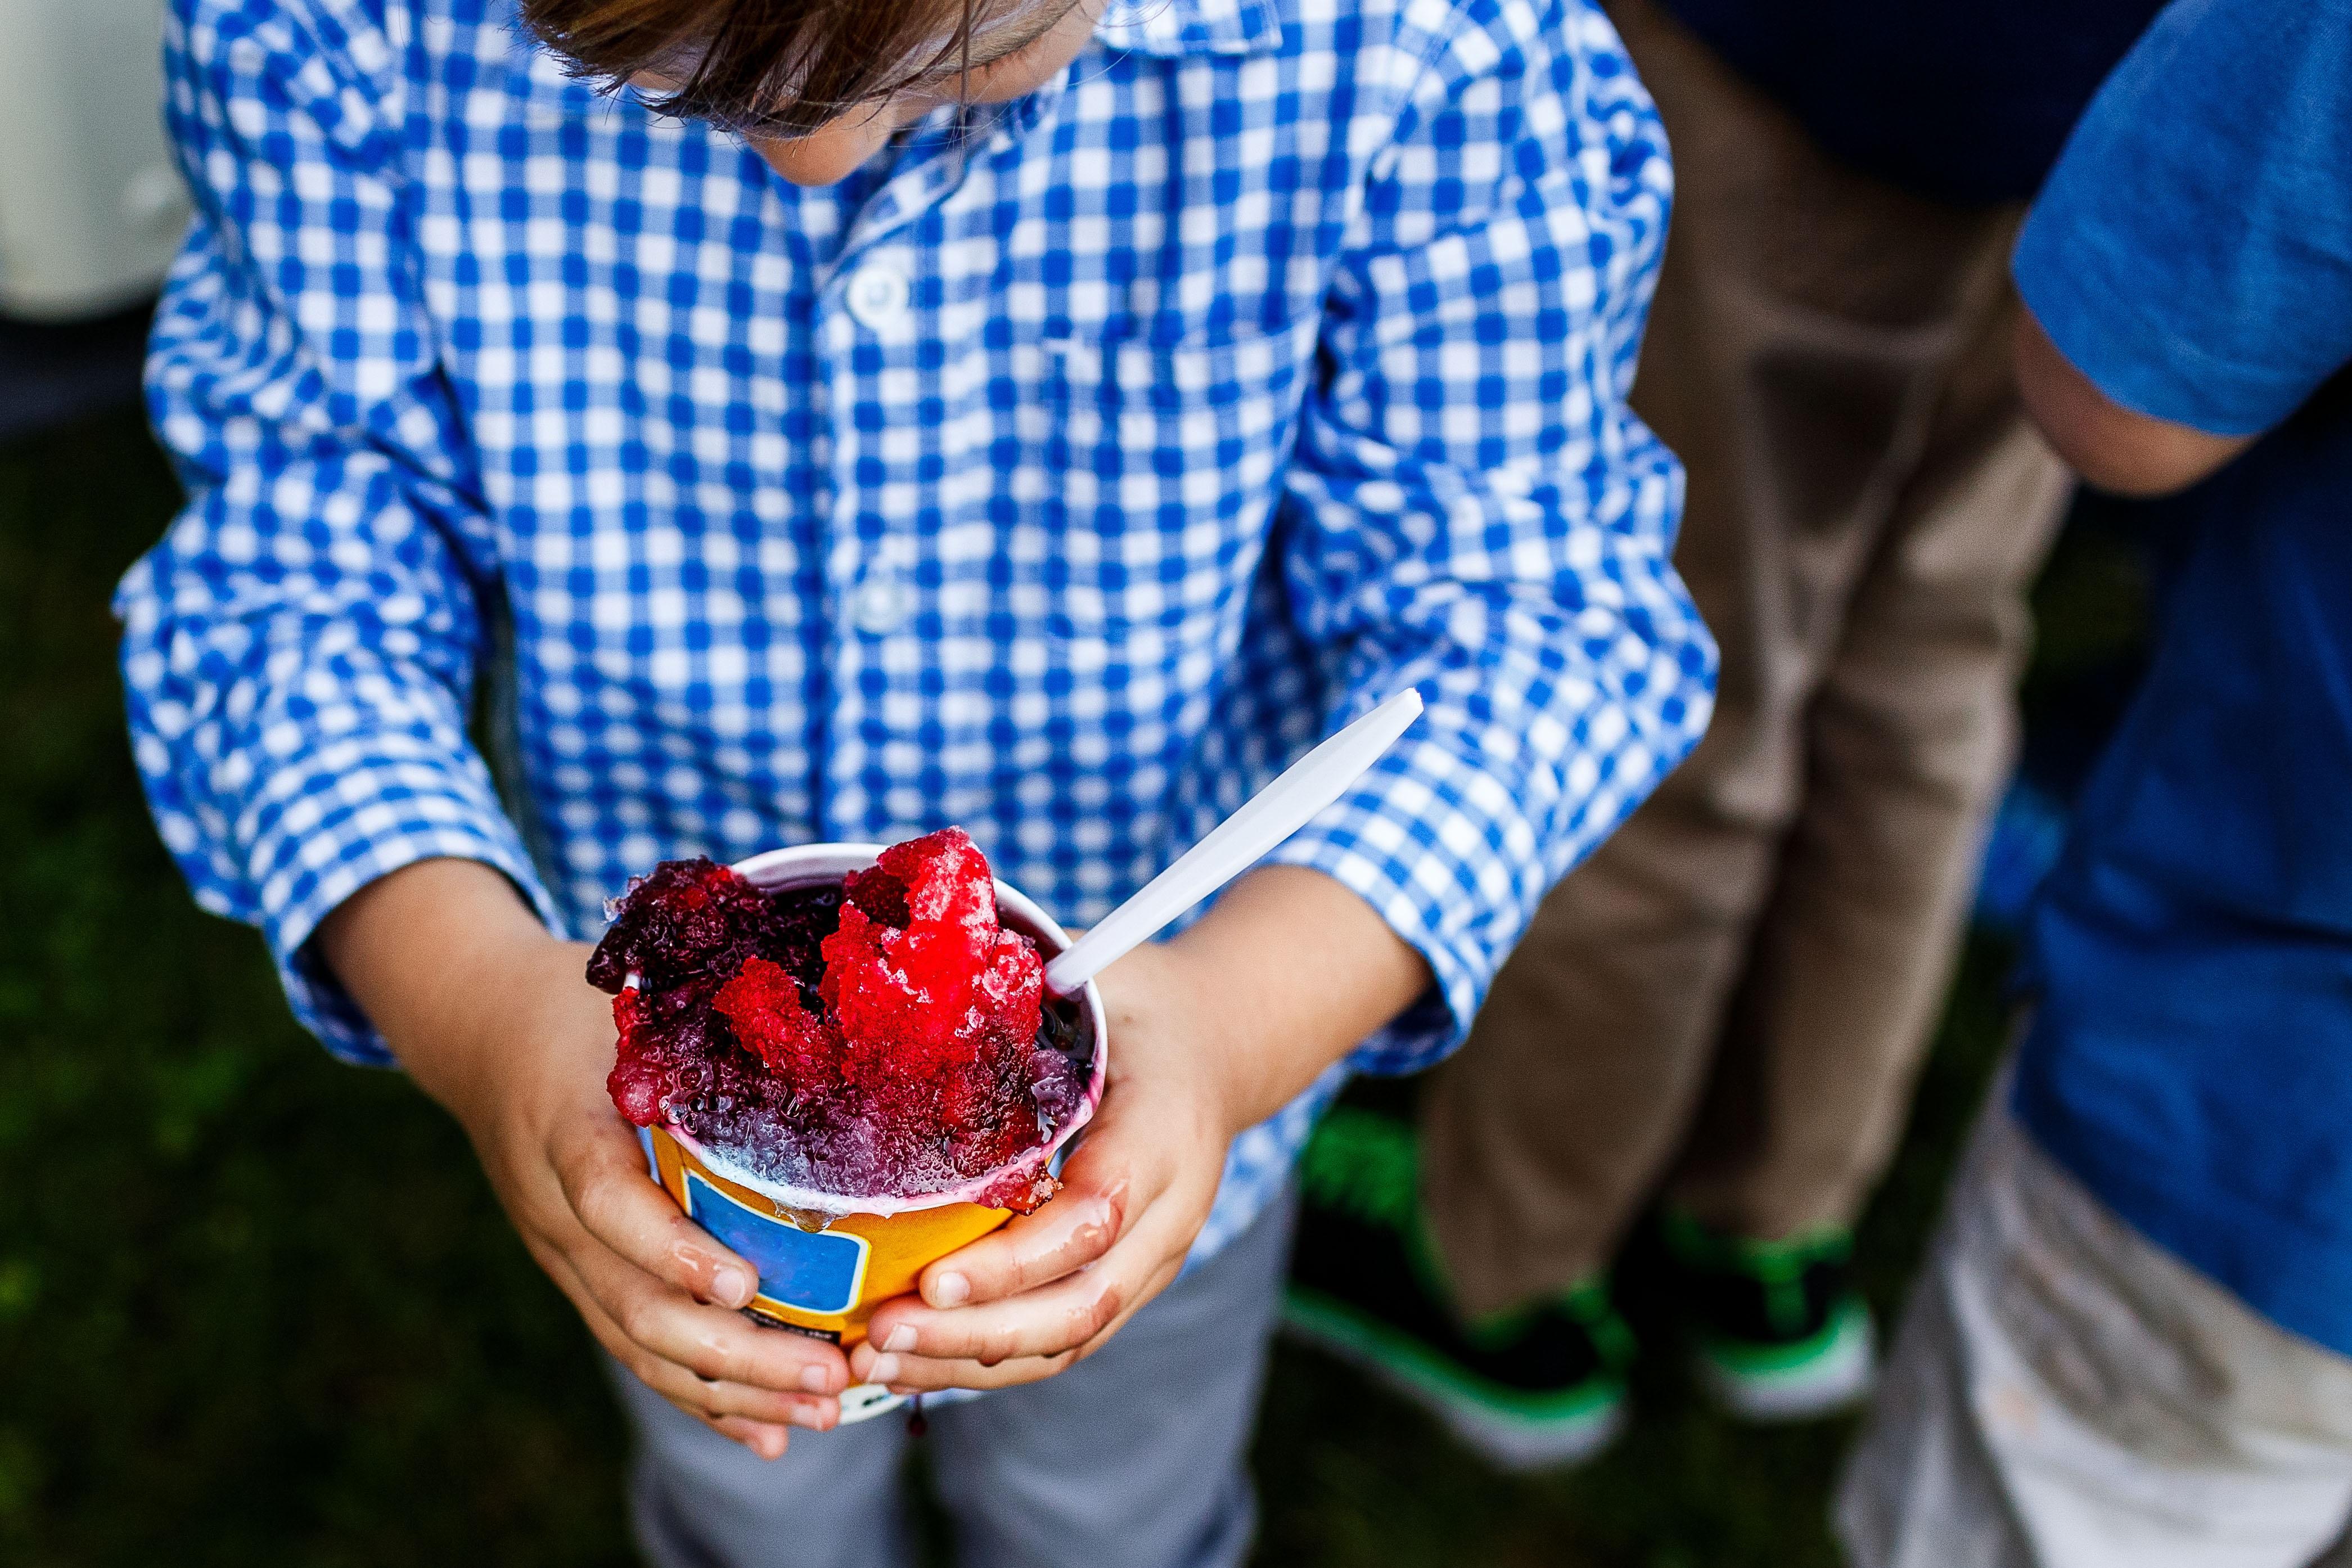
1237,844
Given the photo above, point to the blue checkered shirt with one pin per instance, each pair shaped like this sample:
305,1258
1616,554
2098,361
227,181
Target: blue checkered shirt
1061,475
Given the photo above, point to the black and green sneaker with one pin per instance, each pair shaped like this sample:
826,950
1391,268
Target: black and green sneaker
1537,1387
1781,1334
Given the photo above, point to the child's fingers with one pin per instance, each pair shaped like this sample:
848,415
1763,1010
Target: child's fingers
911,1344
1069,1233
646,1269
768,1442
1045,1321
923,1375
1127,1163
717,1402
710,1343
619,1205
708,1399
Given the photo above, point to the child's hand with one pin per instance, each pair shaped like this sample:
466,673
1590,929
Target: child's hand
1050,1287
1209,1034
495,1020
656,1290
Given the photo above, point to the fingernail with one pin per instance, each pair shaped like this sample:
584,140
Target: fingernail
884,1370
812,1420
816,1380
729,1286
951,1290
902,1338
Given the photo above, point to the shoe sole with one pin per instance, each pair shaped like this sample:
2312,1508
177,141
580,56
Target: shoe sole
1837,1377
1515,1441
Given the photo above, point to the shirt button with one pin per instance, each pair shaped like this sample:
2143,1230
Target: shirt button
881,605
878,295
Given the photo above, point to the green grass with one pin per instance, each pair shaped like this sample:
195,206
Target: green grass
256,1308
1354,1478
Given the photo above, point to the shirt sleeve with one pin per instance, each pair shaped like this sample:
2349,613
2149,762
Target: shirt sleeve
2191,254
1475,511
299,651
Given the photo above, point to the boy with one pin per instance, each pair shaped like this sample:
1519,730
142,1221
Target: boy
2132,1342
846,420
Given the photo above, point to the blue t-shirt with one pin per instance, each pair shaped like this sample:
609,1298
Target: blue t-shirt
2191,1055
1964,99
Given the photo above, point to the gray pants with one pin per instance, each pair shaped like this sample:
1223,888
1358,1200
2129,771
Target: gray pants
1132,1458
2066,1395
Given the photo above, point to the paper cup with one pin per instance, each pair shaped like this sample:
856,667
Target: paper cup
826,1260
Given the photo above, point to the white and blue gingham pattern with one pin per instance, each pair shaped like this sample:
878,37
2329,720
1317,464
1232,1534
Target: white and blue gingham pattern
1061,476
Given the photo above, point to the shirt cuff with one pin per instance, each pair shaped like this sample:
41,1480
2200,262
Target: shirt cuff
347,819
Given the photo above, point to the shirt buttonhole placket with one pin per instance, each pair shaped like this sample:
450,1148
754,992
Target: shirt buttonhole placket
883,598
877,294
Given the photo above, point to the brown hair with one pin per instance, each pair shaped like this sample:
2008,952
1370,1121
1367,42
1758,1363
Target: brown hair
778,68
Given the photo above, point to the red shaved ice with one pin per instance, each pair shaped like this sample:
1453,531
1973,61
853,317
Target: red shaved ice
762,1005
688,918
884,1036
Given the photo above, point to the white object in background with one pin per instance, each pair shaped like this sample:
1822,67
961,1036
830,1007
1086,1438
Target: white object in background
1238,842
92,208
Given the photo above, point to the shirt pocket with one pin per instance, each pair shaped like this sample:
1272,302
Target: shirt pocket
1128,407
1162,463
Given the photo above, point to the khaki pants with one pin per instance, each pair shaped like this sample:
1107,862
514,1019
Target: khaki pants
2064,1393
1730,998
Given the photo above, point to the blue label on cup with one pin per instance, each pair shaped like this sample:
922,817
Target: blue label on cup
808,1270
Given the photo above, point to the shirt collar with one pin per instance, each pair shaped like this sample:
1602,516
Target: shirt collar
1174,28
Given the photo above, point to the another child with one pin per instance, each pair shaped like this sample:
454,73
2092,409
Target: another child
833,421
2132,1343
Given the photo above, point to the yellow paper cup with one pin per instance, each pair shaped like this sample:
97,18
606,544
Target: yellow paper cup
826,1260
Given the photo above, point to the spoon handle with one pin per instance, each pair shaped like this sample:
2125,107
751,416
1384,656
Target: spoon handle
1239,842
